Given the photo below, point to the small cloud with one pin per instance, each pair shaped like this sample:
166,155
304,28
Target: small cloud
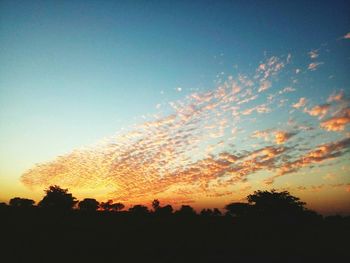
319,110
338,122
347,36
264,86
313,54
329,176
300,103
179,89
282,136
336,96
314,65
286,90
158,106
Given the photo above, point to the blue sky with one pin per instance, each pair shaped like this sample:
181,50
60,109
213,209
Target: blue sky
73,72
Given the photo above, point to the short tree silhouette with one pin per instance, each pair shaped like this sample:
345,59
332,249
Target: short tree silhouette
21,202
57,198
88,205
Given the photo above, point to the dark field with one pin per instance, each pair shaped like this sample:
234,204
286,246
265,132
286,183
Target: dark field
39,235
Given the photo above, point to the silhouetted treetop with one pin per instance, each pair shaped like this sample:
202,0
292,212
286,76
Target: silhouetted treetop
238,209
186,210
155,204
21,202
110,206
139,210
118,207
107,206
275,202
58,198
88,204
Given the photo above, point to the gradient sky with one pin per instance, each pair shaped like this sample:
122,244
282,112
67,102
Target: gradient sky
196,102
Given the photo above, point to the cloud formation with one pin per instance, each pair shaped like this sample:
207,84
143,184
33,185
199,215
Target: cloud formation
205,145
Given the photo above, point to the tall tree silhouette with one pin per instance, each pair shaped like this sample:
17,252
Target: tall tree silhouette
88,205
57,198
21,202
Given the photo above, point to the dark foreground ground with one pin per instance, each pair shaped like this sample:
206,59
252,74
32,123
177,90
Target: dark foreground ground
39,236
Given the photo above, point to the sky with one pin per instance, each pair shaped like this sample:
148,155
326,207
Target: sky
190,102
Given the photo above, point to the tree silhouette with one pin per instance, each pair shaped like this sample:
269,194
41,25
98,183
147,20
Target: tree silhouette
238,209
107,206
210,212
155,204
58,198
21,202
88,205
276,203
110,206
165,210
118,207
186,210
139,210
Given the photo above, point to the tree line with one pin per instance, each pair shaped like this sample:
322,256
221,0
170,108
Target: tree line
259,204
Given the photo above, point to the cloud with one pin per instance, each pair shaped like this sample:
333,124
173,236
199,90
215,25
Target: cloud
336,97
313,54
338,122
282,136
319,110
300,103
347,36
265,85
261,134
192,146
314,65
322,153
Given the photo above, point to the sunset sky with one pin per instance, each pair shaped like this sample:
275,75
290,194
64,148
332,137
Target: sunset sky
190,102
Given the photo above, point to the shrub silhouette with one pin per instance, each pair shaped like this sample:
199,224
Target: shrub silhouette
88,205
57,198
21,202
